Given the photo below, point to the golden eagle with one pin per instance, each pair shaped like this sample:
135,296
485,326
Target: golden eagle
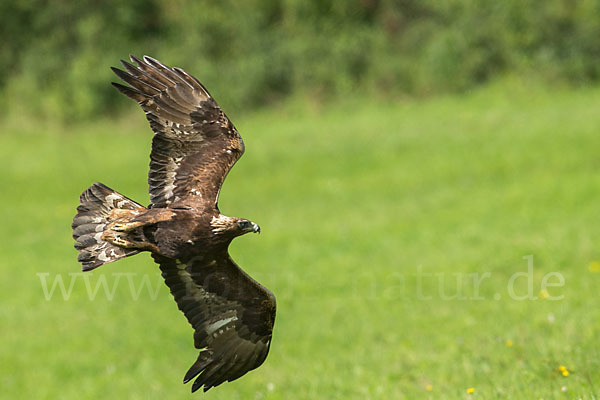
194,147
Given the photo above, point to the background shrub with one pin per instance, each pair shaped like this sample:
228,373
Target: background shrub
55,61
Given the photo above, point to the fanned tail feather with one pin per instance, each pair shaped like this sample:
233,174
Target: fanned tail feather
92,218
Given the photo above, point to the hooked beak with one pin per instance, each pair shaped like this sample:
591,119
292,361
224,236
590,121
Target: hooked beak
255,228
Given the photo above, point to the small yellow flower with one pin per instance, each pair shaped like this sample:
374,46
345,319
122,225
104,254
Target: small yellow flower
544,294
471,390
564,371
429,387
594,266
509,343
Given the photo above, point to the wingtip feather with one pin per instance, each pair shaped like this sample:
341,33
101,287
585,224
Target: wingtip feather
151,60
204,358
130,92
136,60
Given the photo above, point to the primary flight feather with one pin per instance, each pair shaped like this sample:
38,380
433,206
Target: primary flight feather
194,147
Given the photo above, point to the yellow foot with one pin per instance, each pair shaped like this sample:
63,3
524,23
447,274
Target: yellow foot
119,241
125,226
129,244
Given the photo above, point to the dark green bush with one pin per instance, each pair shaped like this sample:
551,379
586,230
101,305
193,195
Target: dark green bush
55,57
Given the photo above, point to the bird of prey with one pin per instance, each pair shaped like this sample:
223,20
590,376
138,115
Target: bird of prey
194,147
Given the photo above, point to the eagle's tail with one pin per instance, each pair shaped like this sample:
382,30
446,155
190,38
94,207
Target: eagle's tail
99,206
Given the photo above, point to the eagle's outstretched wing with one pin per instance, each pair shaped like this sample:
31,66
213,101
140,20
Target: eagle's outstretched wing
194,146
232,316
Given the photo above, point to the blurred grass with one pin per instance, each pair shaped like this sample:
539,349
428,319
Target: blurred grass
354,200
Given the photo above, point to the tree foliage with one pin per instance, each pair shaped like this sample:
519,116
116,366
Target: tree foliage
56,58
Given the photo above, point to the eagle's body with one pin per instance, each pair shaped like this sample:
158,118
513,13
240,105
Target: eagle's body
194,147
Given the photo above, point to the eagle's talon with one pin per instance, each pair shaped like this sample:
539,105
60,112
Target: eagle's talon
126,227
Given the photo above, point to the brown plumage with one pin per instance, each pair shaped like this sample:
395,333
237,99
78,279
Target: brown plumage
194,147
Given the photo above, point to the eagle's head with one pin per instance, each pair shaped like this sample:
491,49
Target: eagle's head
232,227
246,226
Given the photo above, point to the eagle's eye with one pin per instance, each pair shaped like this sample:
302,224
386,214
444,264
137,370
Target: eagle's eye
244,224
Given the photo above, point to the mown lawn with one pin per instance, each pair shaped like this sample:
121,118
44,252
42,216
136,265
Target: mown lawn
392,233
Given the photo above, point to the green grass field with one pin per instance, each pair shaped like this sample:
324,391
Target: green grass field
392,233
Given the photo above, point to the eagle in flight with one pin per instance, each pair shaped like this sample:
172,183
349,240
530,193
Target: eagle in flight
194,147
